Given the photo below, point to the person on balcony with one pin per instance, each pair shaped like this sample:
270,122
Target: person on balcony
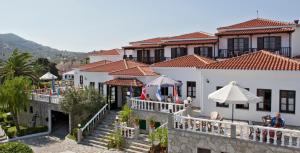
277,121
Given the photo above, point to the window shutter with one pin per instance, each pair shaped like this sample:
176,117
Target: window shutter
156,55
246,44
183,51
173,52
210,52
197,50
139,55
230,44
260,43
278,43
148,55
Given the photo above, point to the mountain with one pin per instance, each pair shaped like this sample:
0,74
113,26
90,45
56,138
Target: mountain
9,41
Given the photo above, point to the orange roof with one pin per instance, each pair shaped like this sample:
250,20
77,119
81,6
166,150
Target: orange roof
140,46
193,35
125,82
151,40
255,31
259,22
191,42
90,65
105,52
185,61
115,66
135,71
260,60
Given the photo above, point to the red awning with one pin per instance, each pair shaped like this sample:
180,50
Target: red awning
125,82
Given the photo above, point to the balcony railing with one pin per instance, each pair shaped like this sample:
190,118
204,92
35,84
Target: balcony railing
254,133
46,98
157,106
127,132
225,53
151,60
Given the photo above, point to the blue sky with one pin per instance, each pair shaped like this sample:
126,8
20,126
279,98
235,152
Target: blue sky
86,25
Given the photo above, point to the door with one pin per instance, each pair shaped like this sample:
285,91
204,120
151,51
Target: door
124,95
113,97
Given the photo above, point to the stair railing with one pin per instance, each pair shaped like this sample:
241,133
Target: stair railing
89,126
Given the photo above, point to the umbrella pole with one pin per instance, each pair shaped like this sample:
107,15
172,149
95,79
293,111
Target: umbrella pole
232,113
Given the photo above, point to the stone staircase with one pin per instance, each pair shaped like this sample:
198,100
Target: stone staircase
99,137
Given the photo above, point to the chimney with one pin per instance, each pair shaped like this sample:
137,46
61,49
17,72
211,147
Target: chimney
296,21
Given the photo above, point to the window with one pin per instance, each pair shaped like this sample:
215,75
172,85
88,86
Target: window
238,44
164,91
221,104
100,88
177,52
266,95
287,101
31,109
242,106
65,76
92,84
80,79
191,89
269,43
203,51
143,56
179,90
159,55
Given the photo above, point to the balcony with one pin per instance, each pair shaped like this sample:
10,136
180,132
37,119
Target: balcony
151,60
282,137
155,106
225,53
43,95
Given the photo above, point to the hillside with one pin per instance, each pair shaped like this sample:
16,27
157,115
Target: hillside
9,42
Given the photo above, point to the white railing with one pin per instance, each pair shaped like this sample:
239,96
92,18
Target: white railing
46,98
165,125
156,106
92,122
269,135
127,132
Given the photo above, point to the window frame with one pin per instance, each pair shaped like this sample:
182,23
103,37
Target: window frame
242,106
287,102
101,88
222,105
193,91
264,105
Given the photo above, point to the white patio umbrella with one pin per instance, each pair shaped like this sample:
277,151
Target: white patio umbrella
163,81
233,94
49,76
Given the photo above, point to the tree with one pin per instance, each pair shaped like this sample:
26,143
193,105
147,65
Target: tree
14,96
18,64
44,65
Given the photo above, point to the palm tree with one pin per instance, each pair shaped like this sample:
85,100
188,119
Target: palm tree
14,96
18,64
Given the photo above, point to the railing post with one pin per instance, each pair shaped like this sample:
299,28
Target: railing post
233,131
170,121
79,136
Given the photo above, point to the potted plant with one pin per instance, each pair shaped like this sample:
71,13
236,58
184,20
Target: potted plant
152,137
136,122
151,123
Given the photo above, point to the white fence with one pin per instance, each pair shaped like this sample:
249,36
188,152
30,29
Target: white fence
127,132
46,98
89,126
269,135
156,106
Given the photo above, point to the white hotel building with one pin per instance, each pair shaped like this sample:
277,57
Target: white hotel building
260,54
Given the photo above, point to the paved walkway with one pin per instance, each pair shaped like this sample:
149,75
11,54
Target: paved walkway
53,144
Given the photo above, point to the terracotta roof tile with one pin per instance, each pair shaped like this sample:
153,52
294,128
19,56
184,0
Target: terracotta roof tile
259,22
125,82
105,52
151,40
185,61
90,65
193,35
135,71
140,46
114,66
260,60
191,42
255,31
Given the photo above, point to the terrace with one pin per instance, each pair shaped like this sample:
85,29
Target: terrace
226,53
45,95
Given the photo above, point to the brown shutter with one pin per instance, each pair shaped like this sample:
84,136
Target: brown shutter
197,50
173,52
260,43
139,55
183,51
246,44
230,44
210,52
278,43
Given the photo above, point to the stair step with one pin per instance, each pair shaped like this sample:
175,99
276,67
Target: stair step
102,132
140,144
101,143
132,151
105,129
103,139
136,148
94,145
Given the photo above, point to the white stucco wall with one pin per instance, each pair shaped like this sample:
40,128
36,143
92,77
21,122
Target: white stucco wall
113,58
274,80
296,41
183,75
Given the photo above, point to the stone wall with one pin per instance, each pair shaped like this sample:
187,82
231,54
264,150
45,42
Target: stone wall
188,142
40,109
157,116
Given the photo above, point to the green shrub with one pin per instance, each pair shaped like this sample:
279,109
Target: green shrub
31,130
11,132
74,133
15,147
116,140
